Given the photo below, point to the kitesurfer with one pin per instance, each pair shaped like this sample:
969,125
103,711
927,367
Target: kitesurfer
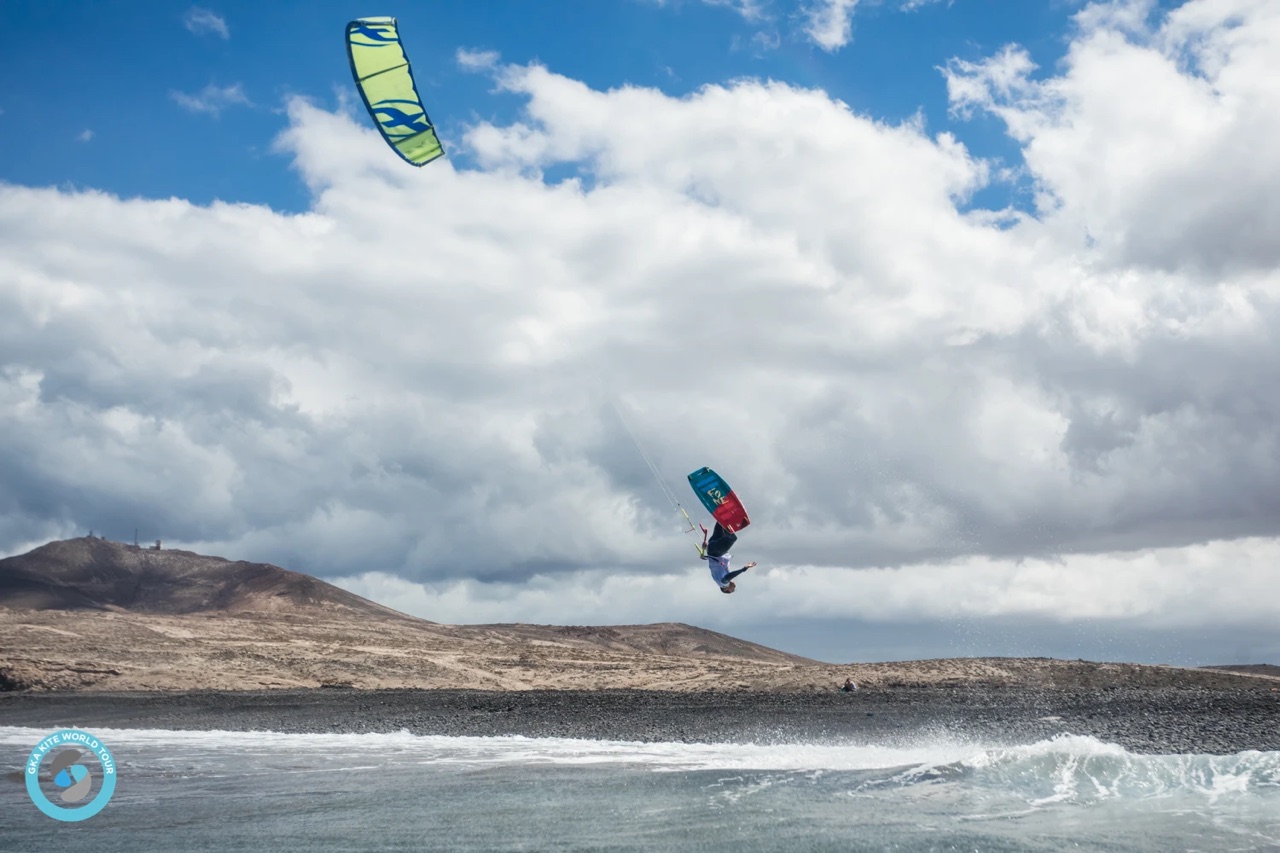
716,552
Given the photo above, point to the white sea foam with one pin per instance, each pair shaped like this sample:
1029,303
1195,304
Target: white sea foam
1082,769
1064,769
516,749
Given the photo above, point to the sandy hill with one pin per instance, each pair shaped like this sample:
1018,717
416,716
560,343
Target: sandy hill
93,613
88,614
97,574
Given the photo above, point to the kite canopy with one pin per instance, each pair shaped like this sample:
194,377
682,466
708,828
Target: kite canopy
719,499
382,74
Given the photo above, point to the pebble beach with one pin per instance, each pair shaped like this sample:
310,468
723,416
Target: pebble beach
1141,719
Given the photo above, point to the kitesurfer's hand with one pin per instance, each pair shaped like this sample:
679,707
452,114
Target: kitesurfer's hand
748,565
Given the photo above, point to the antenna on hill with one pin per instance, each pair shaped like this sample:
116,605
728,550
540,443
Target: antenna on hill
135,537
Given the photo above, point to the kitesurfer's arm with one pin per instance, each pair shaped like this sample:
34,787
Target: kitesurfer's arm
734,574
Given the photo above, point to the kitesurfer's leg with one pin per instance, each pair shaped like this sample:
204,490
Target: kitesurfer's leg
720,542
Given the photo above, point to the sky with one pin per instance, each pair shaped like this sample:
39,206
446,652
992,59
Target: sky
974,304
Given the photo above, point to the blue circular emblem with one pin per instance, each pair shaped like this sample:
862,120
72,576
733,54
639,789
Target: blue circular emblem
72,764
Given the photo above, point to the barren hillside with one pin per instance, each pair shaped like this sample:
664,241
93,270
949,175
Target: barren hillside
87,614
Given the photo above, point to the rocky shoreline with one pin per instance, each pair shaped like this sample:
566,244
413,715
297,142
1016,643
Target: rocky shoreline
1141,719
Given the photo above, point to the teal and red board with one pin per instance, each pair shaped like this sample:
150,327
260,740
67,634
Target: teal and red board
719,499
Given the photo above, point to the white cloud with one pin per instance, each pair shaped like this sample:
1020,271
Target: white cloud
763,42
477,60
1147,142
830,23
827,23
85,135
1038,416
200,21
1129,16
1179,588
750,10
979,84
212,99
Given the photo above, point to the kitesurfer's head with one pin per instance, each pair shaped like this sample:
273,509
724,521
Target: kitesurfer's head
730,588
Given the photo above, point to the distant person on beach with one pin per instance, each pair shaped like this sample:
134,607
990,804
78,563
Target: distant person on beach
849,686
716,552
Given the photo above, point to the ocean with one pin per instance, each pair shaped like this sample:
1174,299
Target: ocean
227,791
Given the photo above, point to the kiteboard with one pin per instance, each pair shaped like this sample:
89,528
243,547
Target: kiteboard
719,499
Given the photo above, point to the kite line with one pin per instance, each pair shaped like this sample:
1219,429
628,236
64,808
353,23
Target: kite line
657,475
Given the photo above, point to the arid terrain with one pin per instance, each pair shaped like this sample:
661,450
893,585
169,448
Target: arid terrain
120,651
93,615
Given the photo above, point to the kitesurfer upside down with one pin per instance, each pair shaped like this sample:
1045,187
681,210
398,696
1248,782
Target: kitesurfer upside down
716,552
